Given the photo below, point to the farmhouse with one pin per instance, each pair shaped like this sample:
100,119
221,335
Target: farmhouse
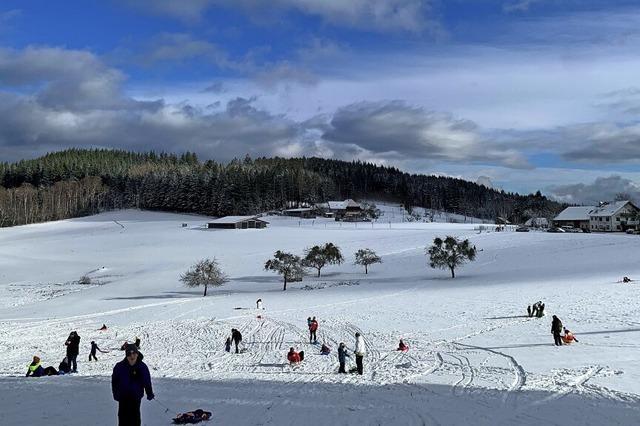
237,222
342,210
607,217
303,212
576,217
616,216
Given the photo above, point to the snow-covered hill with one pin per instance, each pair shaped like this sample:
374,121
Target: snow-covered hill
475,358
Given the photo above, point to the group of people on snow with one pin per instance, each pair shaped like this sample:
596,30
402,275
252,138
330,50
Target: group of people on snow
537,310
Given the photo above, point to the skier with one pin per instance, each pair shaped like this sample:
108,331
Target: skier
295,357
556,329
129,381
94,348
64,367
35,369
313,328
325,350
529,312
73,349
259,304
402,347
227,345
236,336
360,352
342,357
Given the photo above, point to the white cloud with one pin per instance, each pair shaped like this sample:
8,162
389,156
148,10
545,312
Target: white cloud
382,15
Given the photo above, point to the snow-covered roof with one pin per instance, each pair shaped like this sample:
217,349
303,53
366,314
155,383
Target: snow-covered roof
609,209
575,213
234,219
342,205
301,209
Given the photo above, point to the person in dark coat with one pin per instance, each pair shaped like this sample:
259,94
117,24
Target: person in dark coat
64,367
129,382
541,310
227,345
73,349
529,311
94,348
342,357
137,342
556,330
313,329
236,337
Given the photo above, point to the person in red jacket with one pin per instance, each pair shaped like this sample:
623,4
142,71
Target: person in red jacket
295,357
313,328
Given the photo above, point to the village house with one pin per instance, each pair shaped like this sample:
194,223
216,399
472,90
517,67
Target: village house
575,217
607,217
237,222
342,210
302,212
612,217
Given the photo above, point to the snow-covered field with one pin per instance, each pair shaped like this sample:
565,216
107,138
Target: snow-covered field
475,357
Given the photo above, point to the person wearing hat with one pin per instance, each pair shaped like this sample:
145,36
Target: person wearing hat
73,349
35,369
129,382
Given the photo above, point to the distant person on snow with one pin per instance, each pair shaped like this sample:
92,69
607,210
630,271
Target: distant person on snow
236,337
94,348
342,357
259,304
556,329
360,352
626,280
295,357
325,350
402,346
227,345
103,328
313,328
35,368
73,349
568,337
137,342
129,382
529,312
64,367
541,310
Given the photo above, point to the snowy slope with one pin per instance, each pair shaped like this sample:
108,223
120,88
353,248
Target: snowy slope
472,354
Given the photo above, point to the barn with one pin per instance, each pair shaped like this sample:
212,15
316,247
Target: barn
237,222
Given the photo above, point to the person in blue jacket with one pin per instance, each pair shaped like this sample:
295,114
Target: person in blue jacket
129,381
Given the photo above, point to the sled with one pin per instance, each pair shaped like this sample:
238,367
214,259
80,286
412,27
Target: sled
192,417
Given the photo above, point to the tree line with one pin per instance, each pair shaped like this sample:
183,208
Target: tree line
79,182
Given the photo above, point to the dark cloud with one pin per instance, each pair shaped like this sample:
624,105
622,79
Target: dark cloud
602,143
396,129
602,189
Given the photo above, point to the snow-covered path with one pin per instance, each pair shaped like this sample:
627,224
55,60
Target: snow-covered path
474,357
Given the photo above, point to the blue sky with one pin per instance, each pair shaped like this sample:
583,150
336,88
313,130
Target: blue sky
531,94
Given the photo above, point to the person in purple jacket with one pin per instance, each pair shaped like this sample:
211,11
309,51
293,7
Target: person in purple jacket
129,381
